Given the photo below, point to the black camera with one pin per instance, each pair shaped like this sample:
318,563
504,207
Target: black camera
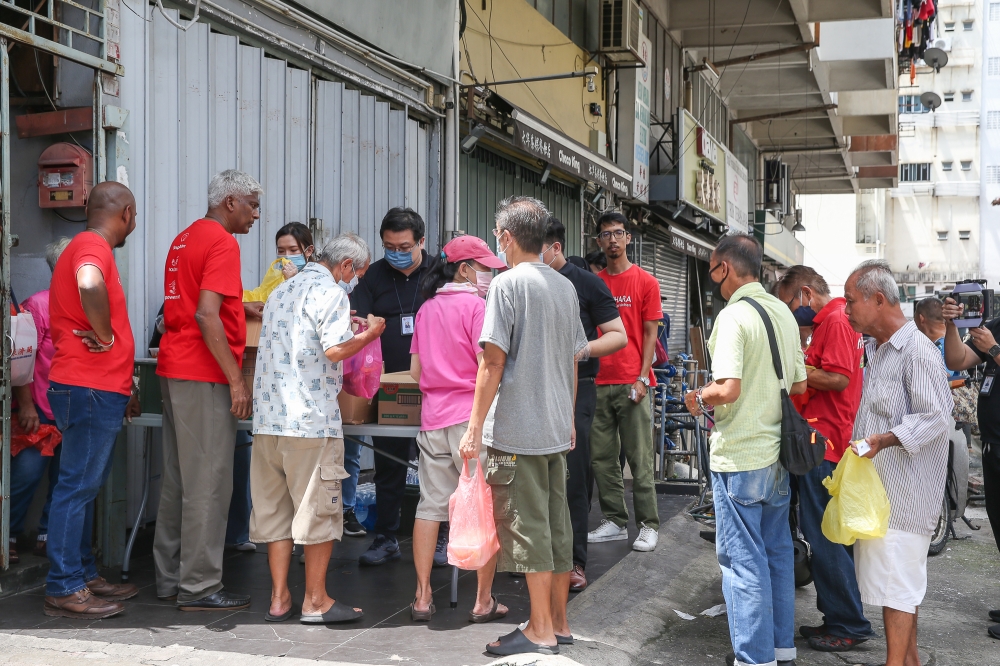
977,302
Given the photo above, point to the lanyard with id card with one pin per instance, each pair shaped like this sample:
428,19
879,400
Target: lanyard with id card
406,319
988,380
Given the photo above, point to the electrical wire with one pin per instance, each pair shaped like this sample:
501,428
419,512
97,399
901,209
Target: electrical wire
516,43
135,12
56,211
41,79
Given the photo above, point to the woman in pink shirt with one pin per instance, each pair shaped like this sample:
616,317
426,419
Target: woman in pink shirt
445,356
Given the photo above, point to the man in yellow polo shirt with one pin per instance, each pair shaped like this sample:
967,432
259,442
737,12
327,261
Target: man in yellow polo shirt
749,485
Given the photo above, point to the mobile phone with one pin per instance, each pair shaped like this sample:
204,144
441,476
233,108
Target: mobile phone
862,446
632,395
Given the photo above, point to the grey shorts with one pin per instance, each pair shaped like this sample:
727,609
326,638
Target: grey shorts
439,469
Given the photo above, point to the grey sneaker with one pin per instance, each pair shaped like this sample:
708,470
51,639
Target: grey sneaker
382,550
441,550
608,531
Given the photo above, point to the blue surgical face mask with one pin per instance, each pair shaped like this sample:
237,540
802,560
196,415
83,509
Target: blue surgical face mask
803,314
399,260
349,286
298,260
502,254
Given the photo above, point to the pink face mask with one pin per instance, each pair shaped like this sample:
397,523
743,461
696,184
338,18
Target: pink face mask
483,280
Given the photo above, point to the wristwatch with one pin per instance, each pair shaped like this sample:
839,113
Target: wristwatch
644,380
994,351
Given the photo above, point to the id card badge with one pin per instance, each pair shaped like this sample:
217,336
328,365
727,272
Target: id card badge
987,386
406,324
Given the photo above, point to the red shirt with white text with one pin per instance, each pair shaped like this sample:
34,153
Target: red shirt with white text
204,257
73,363
637,294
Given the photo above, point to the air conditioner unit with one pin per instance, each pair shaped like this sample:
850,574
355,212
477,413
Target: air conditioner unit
621,24
943,43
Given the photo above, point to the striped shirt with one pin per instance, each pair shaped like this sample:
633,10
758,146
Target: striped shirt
906,392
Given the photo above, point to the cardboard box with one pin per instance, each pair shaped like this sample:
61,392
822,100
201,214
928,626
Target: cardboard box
399,400
253,331
355,410
249,361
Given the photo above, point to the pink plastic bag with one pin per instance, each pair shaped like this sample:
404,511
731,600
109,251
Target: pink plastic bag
363,371
472,535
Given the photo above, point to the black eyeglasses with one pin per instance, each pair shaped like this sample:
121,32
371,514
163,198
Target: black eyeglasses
617,233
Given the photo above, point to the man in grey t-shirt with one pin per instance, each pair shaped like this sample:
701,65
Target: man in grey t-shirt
523,409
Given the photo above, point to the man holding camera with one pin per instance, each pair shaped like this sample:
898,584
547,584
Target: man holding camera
982,347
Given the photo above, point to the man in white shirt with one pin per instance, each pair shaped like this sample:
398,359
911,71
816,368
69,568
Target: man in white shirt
298,448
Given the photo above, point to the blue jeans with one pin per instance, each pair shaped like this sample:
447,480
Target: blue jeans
89,420
238,525
352,464
754,545
26,470
837,595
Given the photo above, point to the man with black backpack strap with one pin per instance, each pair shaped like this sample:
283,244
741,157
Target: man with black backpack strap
749,483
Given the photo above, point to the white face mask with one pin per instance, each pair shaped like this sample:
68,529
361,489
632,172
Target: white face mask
541,257
502,254
349,286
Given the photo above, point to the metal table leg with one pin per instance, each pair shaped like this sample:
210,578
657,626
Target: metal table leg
146,442
454,587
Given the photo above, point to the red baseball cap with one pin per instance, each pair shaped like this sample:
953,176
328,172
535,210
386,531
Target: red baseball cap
468,247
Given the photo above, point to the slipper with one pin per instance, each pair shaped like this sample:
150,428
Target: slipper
279,618
560,640
488,617
421,616
994,631
517,643
338,612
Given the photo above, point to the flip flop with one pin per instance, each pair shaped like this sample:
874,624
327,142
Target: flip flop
560,640
421,616
279,618
517,643
488,617
338,612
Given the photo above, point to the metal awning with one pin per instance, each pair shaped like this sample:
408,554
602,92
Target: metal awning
536,138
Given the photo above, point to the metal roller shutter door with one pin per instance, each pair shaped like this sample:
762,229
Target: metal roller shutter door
669,267
487,177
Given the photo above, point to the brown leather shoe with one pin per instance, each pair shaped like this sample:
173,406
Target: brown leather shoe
577,579
40,548
111,592
12,553
82,605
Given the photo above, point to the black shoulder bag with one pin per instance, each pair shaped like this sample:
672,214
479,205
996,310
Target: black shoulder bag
802,448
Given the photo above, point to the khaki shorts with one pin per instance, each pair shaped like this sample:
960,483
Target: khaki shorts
531,512
439,469
295,488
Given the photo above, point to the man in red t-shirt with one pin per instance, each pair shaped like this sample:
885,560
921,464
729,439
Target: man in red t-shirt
622,417
204,394
89,396
833,364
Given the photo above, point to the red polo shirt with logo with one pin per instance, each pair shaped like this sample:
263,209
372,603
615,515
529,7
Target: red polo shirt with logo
837,348
637,294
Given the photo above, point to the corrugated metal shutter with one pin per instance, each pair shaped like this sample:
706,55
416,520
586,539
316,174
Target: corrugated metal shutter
670,268
369,158
217,104
487,177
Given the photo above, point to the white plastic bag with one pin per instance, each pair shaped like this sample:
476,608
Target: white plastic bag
23,344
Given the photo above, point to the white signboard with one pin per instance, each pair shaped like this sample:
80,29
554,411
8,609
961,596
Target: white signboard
640,157
737,195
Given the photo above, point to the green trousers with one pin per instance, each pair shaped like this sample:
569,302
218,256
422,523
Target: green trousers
620,424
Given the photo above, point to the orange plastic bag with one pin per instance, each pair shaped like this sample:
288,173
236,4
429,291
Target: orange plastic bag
45,439
472,535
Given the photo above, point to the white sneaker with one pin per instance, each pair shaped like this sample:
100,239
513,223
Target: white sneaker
608,531
646,541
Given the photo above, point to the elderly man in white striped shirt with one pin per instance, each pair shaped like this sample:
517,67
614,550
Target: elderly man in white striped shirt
904,417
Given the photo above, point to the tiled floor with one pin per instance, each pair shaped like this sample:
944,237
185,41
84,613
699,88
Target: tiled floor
385,635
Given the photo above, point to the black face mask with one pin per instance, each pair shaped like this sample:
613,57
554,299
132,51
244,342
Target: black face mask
717,286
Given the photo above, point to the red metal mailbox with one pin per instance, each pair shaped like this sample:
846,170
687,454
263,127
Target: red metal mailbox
64,176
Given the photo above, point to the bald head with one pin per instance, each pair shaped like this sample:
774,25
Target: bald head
111,210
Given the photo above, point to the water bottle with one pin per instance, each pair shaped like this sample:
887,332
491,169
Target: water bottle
412,477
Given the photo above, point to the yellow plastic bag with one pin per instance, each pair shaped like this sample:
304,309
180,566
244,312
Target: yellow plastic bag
859,507
272,278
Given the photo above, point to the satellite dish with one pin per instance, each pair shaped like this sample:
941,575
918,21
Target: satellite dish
930,100
935,58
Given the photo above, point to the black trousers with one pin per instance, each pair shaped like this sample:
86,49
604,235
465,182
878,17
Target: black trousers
579,473
991,485
390,482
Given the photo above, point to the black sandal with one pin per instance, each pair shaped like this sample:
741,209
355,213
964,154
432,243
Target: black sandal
517,643
279,618
338,612
561,640
488,617
421,616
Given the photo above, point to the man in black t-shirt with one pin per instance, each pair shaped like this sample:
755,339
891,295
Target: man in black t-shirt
982,347
598,312
391,290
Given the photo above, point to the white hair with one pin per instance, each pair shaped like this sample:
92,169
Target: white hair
53,250
231,182
343,247
875,277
